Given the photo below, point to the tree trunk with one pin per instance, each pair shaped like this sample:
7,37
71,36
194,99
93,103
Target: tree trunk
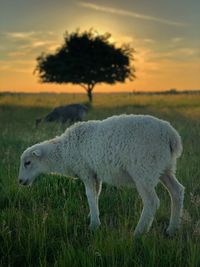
89,94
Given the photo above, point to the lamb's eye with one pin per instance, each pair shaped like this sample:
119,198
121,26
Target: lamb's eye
26,163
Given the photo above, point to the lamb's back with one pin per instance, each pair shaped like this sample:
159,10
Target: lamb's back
120,136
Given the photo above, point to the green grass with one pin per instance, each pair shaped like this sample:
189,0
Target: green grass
47,225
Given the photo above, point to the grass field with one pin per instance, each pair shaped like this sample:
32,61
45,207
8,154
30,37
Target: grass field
46,224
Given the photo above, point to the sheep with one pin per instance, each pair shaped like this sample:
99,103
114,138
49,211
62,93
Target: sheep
124,150
72,113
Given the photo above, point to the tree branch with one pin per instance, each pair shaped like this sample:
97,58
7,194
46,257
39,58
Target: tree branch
83,86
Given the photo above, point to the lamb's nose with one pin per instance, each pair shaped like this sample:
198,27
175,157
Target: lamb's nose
20,181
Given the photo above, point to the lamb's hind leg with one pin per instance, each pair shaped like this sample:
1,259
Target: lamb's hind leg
176,191
150,205
93,190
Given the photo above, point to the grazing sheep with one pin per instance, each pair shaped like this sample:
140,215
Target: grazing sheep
72,113
120,150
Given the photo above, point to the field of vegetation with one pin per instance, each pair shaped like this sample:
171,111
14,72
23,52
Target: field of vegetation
46,224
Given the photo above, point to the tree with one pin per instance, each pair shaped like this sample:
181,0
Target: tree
87,59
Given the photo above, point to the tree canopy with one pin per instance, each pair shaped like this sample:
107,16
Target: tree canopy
87,59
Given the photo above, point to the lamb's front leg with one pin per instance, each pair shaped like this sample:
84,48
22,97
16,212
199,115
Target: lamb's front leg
93,189
151,204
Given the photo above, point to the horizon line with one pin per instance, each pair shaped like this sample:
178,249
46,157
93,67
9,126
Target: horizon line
178,91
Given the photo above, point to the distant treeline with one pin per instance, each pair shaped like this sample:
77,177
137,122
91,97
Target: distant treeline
167,92
134,92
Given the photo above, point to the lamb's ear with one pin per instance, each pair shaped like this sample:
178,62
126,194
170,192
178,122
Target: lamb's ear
37,152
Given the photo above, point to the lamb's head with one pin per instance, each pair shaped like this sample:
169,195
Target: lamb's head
31,165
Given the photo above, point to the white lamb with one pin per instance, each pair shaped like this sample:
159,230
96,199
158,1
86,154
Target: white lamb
120,150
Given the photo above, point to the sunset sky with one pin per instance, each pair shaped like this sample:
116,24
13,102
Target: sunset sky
164,33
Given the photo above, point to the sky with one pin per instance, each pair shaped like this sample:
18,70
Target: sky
164,34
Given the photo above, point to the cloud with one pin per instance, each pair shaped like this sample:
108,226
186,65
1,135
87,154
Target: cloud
123,12
20,49
17,44
31,38
177,39
22,66
20,35
180,54
149,41
187,51
30,35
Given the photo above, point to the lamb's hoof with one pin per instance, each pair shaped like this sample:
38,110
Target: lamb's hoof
94,226
137,235
170,232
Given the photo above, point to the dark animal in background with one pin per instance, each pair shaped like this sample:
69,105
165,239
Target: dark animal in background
70,113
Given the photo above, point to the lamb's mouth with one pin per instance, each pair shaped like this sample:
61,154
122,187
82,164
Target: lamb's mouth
24,182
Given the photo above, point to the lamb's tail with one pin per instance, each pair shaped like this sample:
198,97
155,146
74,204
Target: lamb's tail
175,143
